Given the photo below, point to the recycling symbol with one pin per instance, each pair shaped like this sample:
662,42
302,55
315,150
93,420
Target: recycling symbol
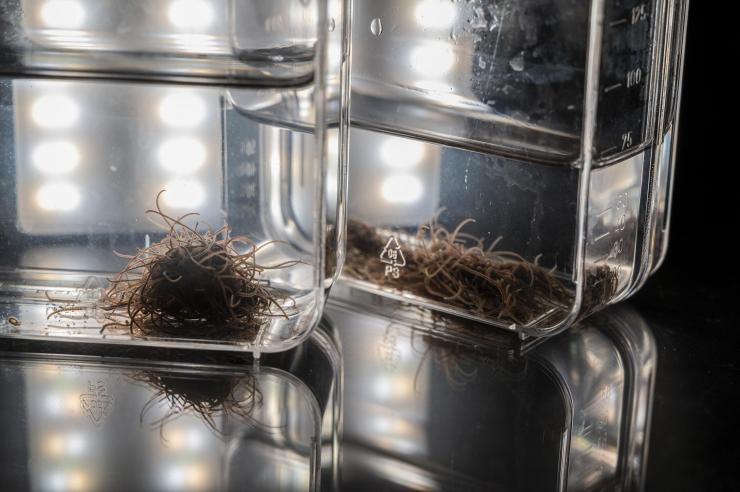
393,258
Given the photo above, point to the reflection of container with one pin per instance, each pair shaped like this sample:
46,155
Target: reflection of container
103,103
420,413
78,422
549,126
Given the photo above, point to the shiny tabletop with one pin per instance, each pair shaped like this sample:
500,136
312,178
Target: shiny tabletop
380,398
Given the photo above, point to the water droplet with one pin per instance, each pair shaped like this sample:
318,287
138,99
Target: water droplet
332,24
376,26
517,63
481,63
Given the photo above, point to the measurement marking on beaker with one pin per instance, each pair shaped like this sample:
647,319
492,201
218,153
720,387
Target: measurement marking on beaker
626,140
612,87
610,149
599,238
250,147
618,22
634,77
639,13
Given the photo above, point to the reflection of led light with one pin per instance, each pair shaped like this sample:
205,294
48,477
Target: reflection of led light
182,110
178,439
196,477
184,193
401,188
58,197
182,155
55,112
77,480
72,404
54,404
56,157
187,477
56,481
63,14
175,440
194,439
75,444
73,481
435,13
56,444
175,478
332,185
191,14
432,59
401,153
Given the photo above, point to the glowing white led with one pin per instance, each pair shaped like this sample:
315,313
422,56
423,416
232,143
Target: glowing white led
182,110
401,188
58,157
182,155
63,14
55,111
184,193
58,197
191,14
435,13
432,59
401,153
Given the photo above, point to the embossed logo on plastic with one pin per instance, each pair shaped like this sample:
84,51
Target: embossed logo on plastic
97,404
393,257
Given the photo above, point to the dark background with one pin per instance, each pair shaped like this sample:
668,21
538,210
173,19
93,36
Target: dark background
690,303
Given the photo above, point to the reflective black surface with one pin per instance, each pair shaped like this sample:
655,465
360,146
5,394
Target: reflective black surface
111,418
424,413
418,412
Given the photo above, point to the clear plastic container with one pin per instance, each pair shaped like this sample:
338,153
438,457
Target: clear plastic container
230,109
510,161
422,413
204,423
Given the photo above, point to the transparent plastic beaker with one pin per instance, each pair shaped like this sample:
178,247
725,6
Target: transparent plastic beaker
164,167
510,161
